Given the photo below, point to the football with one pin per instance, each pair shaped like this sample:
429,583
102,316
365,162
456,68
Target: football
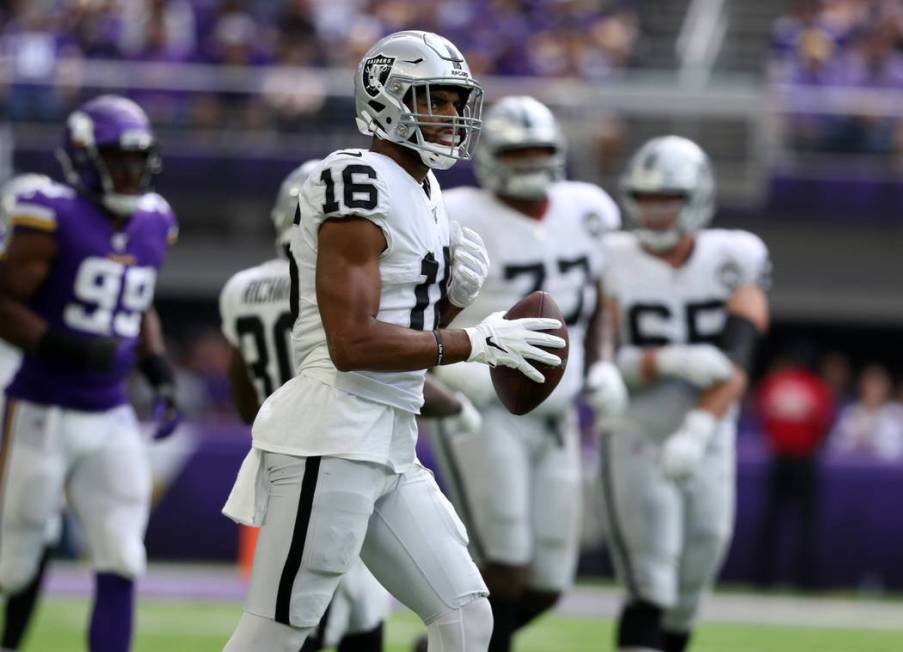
518,393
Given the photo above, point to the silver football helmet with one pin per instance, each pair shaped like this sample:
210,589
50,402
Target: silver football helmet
391,77
19,185
669,165
519,122
283,212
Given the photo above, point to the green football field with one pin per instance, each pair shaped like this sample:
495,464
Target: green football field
204,626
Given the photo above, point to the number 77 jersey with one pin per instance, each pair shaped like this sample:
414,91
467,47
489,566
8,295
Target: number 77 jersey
413,269
561,253
99,284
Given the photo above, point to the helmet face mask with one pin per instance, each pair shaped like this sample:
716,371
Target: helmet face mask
109,151
668,191
522,150
396,87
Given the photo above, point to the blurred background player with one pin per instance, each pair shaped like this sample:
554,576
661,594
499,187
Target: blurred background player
690,308
542,233
19,607
376,276
76,293
257,321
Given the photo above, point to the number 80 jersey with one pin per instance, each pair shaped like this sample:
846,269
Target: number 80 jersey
100,283
413,269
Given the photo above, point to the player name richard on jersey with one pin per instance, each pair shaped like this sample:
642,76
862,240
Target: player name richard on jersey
273,289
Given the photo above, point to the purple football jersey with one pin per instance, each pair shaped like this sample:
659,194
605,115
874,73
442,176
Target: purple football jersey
100,284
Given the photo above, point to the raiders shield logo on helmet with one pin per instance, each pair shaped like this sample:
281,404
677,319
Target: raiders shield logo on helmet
376,72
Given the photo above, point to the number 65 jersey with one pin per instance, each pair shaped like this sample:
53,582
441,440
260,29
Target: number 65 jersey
659,304
99,284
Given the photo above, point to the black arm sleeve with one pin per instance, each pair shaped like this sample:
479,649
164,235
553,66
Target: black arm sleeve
739,341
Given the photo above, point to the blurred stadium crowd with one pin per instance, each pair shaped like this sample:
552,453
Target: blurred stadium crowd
842,44
46,44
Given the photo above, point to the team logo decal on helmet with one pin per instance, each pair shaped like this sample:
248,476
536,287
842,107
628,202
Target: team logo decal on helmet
376,72
393,87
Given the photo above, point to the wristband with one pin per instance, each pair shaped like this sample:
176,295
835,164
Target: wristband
440,348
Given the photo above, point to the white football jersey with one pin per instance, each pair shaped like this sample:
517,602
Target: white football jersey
413,268
659,304
257,320
562,253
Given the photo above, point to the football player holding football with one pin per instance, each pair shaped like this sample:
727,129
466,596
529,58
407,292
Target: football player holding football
376,276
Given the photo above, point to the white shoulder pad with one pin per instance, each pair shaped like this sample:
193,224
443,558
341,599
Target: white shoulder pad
36,207
619,248
752,258
594,200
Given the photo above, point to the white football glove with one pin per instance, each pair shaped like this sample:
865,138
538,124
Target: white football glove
701,365
683,450
513,343
469,265
465,422
605,389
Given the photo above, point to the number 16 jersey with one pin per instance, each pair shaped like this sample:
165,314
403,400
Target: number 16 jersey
413,269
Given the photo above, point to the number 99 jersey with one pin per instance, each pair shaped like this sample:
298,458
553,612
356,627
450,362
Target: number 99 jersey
561,253
100,283
659,304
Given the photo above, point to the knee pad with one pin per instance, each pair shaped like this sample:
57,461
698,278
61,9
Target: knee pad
640,626
466,628
254,633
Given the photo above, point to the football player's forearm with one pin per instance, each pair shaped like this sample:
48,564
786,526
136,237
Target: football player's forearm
637,365
438,400
19,325
380,346
719,398
244,396
150,339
